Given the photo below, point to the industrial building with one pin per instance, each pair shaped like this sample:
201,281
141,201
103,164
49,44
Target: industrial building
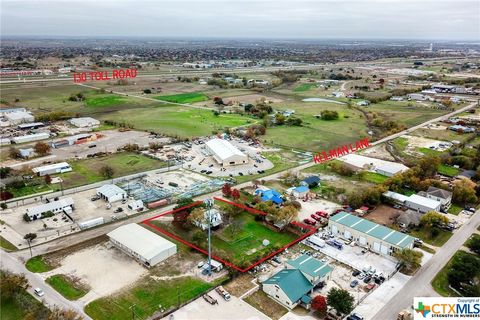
30,126
368,234
385,168
289,287
85,122
415,202
225,153
111,193
64,205
18,117
52,169
31,137
142,244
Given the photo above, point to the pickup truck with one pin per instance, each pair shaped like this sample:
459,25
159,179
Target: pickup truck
209,299
223,293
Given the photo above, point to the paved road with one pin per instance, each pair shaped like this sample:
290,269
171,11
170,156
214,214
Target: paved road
419,285
51,297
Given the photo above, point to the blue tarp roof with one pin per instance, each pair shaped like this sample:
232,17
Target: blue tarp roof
301,189
270,194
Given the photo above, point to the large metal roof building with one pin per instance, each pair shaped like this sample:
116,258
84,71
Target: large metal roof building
225,153
142,244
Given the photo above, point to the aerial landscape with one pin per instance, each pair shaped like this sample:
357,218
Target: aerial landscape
290,160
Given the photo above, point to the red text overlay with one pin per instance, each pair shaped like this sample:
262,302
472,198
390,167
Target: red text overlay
323,156
105,75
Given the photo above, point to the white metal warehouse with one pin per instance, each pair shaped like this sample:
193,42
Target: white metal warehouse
60,167
365,233
64,205
142,244
225,153
84,122
111,193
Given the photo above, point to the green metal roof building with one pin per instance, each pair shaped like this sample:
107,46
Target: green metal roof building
369,234
289,287
314,270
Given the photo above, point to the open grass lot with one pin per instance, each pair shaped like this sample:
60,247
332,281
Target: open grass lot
444,135
66,287
147,297
262,302
241,247
87,171
5,244
38,264
304,87
429,152
440,282
448,170
100,100
401,112
281,161
425,235
177,121
455,209
373,177
322,134
32,186
190,97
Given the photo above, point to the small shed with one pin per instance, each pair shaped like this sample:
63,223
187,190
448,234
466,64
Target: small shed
111,193
300,191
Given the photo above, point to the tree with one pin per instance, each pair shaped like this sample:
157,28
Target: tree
41,148
286,214
329,115
60,314
197,216
409,259
279,119
227,190
30,237
474,243
14,153
464,192
12,283
5,172
433,219
48,179
235,194
107,172
292,121
319,303
341,300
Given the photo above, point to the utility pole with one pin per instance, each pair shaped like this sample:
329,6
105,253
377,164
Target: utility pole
30,247
209,204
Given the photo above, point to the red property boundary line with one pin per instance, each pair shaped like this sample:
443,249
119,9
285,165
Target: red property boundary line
253,211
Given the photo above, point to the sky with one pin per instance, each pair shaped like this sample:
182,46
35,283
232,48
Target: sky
348,19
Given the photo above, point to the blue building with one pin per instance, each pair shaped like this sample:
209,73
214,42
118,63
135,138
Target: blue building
269,195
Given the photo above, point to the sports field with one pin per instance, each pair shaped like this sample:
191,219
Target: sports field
183,122
189,97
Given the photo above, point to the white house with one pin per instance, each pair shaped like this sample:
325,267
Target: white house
111,193
62,205
437,194
142,244
414,202
225,153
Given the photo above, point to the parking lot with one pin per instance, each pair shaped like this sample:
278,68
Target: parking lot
314,205
234,309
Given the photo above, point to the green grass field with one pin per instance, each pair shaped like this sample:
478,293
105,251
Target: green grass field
401,112
66,287
7,245
455,209
438,241
147,296
304,87
190,97
373,177
178,121
448,171
104,100
429,152
17,308
86,171
38,264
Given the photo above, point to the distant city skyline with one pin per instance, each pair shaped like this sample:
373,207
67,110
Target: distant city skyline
267,19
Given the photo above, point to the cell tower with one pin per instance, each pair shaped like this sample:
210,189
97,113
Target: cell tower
431,47
209,204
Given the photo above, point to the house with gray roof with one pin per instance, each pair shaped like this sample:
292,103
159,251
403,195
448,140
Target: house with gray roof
441,195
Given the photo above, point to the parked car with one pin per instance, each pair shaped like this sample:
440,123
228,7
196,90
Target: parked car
203,171
200,264
39,292
354,316
361,276
353,284
119,209
240,173
367,279
309,221
95,198
315,217
322,214
355,273
370,286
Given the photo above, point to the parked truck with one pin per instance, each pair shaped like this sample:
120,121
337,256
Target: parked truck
210,299
221,291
